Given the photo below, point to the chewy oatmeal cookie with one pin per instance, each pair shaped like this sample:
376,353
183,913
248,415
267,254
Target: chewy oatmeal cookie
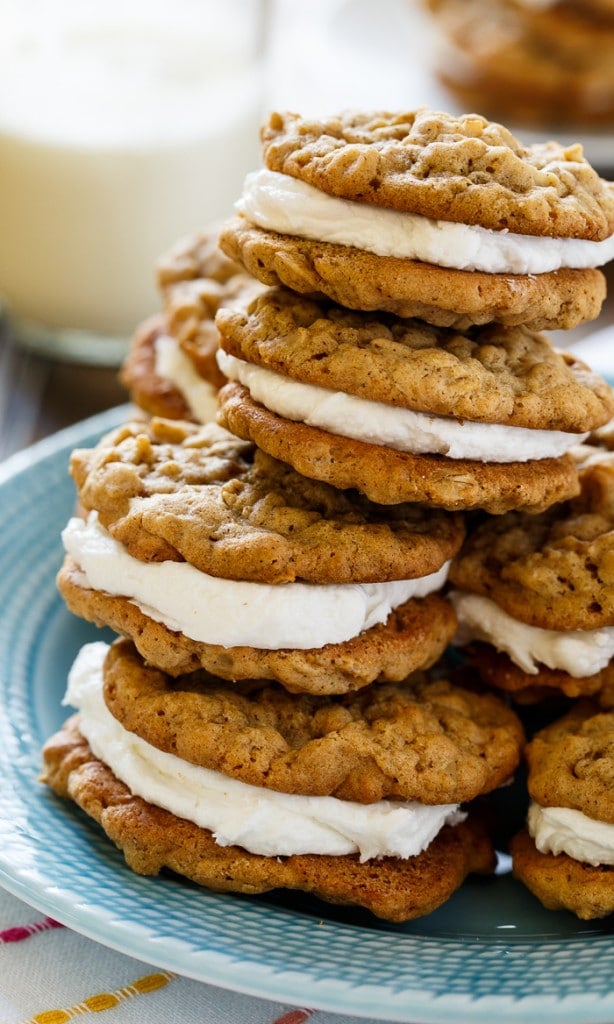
566,854
171,369
420,213
413,637
343,839
388,476
540,590
403,410
560,299
153,839
209,553
423,740
175,491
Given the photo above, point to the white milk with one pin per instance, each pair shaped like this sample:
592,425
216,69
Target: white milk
123,126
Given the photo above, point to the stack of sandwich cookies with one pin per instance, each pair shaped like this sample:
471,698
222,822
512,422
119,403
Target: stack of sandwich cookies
385,769
449,219
565,856
410,259
535,595
171,369
279,579
356,799
187,524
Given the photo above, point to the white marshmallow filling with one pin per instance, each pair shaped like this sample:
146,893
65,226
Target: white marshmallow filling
234,613
173,365
390,426
564,830
580,653
278,202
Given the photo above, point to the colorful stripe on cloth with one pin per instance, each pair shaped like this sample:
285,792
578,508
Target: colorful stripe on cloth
105,1000
23,931
294,1017
108,1000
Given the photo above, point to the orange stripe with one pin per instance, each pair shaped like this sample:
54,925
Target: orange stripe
105,1000
294,1017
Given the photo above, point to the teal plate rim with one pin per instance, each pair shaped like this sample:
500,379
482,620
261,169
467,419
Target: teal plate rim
450,967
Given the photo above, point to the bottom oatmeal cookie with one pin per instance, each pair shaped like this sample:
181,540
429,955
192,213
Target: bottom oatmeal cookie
398,858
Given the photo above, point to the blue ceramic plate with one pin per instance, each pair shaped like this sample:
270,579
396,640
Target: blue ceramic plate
492,953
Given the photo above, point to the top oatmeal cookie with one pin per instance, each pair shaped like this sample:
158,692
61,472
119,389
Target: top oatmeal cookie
464,169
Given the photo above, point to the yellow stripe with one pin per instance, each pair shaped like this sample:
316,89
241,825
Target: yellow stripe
105,1000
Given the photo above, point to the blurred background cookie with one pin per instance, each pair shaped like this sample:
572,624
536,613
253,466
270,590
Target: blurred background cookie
545,65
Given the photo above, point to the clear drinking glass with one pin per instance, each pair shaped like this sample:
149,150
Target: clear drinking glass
123,126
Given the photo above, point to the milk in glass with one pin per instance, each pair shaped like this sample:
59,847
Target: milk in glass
123,126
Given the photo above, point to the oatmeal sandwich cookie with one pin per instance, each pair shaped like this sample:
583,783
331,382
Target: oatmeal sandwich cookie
161,376
406,411
356,799
422,214
170,369
209,553
537,594
565,856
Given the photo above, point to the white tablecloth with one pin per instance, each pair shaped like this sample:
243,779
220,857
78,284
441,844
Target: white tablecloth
51,975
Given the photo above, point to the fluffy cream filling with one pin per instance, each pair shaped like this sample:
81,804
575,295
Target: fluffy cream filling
234,613
281,203
580,653
260,820
563,830
401,429
172,364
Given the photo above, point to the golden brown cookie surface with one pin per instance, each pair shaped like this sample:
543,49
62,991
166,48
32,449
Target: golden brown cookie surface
413,637
464,169
490,374
562,883
428,741
171,490
571,763
195,278
357,279
555,570
389,477
498,670
152,839
147,389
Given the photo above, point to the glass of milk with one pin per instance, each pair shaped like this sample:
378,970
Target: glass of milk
124,126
